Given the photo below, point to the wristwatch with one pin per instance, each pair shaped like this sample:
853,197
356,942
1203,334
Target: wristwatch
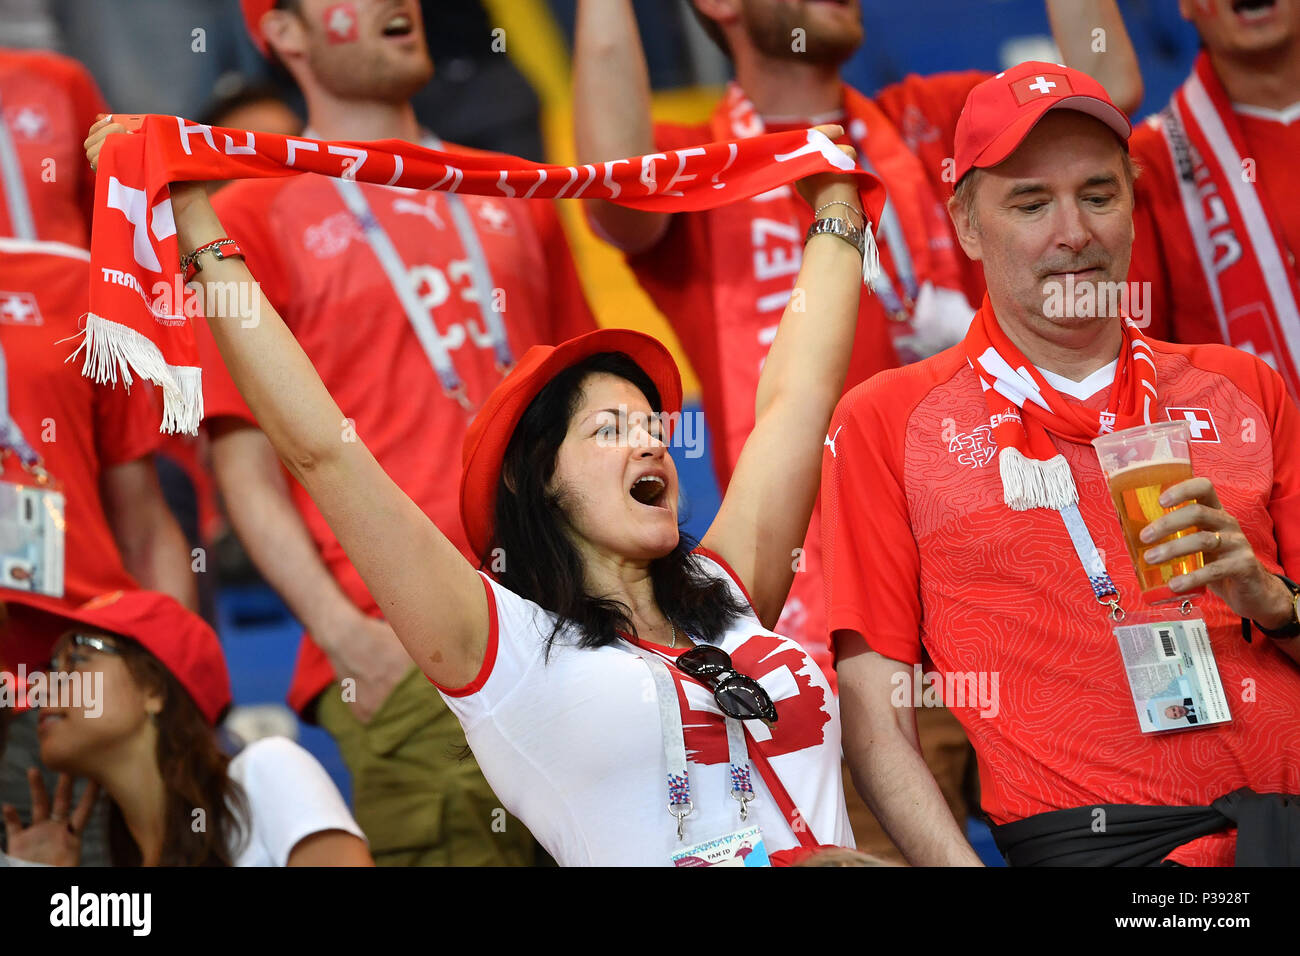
1288,630
834,226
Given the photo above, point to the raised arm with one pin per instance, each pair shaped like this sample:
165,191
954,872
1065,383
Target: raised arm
1092,38
611,112
428,592
764,516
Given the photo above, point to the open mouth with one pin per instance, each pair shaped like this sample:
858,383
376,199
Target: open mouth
399,25
1250,10
46,719
650,490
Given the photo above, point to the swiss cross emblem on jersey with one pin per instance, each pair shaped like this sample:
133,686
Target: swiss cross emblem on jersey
494,216
1044,84
19,308
1199,420
341,22
28,122
786,674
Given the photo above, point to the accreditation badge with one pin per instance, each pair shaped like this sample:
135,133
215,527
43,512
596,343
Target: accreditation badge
742,848
31,539
1171,672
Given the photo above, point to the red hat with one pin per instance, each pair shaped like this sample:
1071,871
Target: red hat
1000,112
490,432
180,639
253,12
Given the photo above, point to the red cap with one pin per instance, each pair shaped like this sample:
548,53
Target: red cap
490,432
253,13
1000,112
180,639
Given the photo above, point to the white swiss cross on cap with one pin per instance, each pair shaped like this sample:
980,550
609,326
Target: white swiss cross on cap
1199,420
1040,85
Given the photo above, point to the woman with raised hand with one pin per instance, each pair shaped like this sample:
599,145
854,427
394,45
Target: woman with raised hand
621,689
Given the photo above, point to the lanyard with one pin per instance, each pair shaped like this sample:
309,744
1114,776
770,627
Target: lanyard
11,172
12,438
674,741
416,313
895,241
1103,588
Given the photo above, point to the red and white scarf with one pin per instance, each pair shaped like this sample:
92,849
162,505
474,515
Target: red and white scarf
136,324
1243,259
1024,411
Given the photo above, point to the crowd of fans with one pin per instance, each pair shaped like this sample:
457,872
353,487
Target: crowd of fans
524,660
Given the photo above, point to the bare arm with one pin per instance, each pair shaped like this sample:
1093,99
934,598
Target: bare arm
153,547
427,591
611,111
885,759
256,495
764,514
330,848
1093,39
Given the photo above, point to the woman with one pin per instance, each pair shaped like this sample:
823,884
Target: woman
153,683
559,668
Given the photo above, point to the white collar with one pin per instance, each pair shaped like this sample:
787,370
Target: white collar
1084,390
1286,116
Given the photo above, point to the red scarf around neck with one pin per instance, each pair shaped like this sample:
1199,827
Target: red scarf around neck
1245,260
137,323
1024,410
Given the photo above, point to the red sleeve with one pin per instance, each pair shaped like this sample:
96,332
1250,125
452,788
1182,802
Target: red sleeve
1284,507
570,314
242,209
1149,263
87,104
924,109
872,563
126,424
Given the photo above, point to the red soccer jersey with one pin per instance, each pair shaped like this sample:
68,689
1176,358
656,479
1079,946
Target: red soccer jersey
313,262
723,278
926,561
78,428
1164,253
47,105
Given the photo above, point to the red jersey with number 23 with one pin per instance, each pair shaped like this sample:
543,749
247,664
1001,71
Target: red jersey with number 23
311,257
925,561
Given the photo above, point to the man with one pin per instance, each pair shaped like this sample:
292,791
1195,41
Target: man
412,305
970,525
83,510
47,102
722,278
1218,201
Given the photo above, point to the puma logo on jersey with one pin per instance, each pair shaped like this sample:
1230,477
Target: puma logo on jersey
830,441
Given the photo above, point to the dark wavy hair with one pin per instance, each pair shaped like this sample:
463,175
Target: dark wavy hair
195,773
541,562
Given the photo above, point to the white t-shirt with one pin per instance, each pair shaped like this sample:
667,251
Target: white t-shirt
573,746
290,797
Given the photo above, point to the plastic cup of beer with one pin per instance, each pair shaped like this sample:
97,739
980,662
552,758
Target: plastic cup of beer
1140,464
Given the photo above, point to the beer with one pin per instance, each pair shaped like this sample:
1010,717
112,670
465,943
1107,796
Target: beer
1136,491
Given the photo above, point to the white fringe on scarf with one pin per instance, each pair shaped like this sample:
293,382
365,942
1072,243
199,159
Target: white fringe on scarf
1030,483
113,349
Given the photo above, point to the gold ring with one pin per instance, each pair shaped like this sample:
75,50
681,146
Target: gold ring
1218,541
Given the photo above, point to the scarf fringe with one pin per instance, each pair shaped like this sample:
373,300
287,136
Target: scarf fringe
113,349
1030,483
870,256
